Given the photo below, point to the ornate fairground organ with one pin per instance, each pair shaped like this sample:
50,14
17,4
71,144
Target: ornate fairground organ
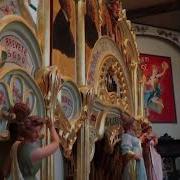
94,77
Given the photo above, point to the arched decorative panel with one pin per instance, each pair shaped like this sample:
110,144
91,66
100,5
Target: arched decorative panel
107,59
20,44
17,85
69,99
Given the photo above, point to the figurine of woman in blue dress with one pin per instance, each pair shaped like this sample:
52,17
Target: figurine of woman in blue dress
134,168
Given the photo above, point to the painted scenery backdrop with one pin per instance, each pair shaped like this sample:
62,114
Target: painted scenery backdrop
63,36
158,88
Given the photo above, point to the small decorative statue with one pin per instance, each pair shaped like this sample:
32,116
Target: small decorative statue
26,153
134,168
152,159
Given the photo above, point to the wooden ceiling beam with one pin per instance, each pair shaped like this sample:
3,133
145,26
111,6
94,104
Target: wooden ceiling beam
154,10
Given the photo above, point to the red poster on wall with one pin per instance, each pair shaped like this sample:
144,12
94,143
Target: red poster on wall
158,88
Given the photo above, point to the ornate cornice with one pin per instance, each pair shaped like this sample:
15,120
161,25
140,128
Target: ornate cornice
144,30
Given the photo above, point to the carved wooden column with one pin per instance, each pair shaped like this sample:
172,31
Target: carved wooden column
80,42
141,98
48,169
134,66
43,30
49,81
82,140
43,33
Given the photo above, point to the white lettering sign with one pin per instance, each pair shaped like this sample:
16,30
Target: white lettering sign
17,52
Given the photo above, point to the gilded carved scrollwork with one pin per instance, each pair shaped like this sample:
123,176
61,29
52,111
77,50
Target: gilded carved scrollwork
51,83
113,136
67,131
112,84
